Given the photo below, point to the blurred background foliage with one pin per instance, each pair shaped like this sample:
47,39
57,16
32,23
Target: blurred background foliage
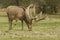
48,5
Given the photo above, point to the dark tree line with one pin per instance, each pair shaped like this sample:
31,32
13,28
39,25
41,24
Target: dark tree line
47,5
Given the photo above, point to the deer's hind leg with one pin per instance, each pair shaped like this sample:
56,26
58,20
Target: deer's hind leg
10,24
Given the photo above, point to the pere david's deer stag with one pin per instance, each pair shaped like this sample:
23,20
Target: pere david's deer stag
18,13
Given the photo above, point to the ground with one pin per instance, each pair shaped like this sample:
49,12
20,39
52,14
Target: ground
42,30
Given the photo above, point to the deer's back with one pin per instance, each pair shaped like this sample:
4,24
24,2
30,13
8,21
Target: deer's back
14,11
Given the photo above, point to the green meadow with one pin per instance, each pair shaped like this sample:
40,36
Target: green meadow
48,29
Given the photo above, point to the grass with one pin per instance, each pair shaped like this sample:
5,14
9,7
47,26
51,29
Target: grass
28,38
42,30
